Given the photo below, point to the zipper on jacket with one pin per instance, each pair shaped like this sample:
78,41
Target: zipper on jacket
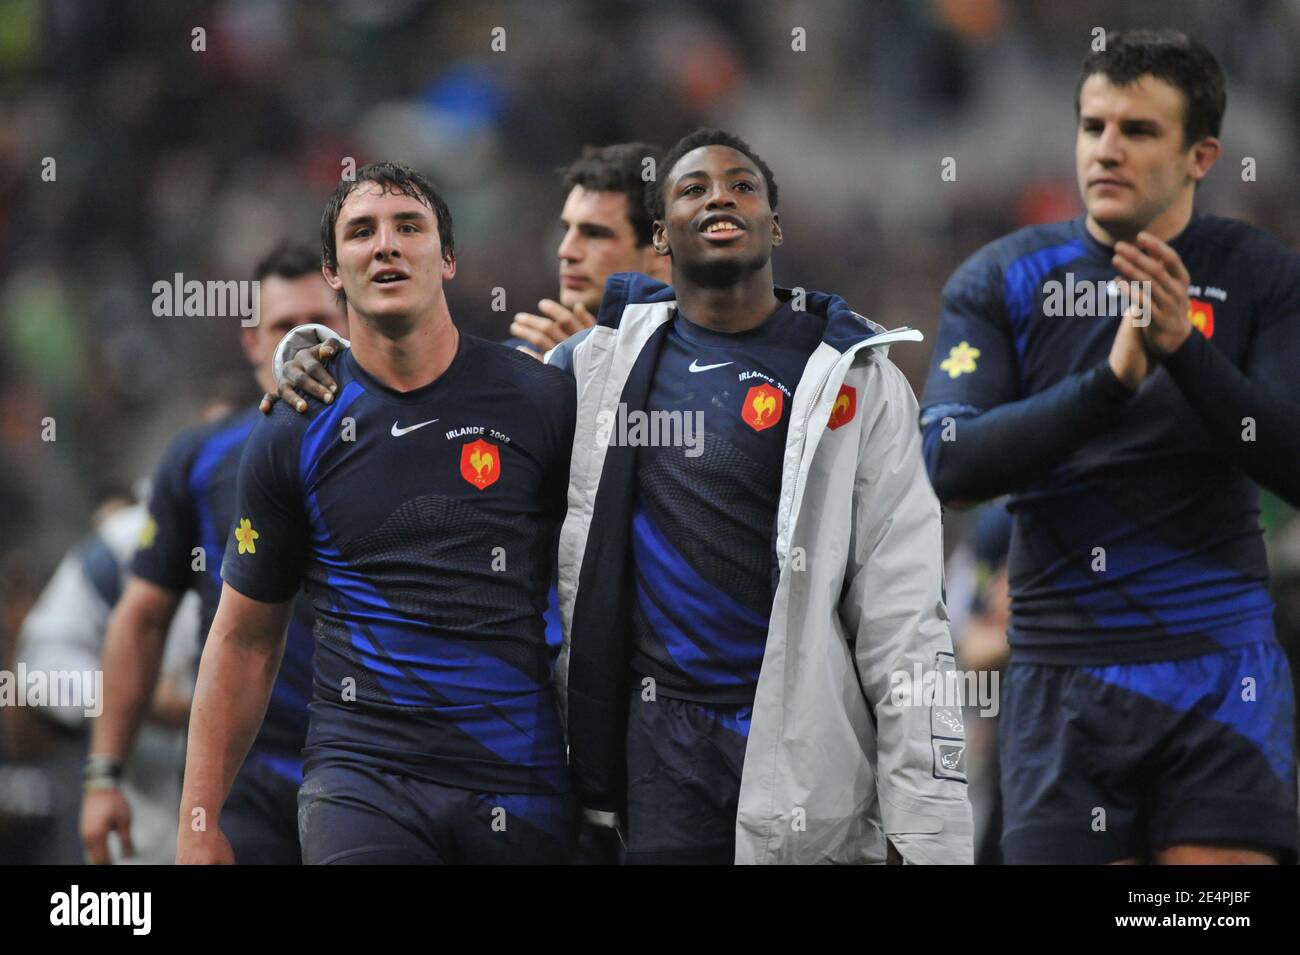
794,491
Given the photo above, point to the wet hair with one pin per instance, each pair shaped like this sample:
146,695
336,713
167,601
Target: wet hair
395,178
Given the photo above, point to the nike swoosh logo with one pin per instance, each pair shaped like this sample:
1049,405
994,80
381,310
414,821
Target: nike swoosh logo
398,432
697,367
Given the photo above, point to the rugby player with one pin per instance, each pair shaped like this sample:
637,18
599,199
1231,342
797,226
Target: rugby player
1147,711
606,230
435,733
191,509
736,609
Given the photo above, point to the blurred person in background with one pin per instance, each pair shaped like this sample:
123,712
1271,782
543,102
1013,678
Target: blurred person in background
606,230
1138,576
191,512
64,632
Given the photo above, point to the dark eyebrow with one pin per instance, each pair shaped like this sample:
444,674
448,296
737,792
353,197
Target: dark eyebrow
734,170
411,216
586,226
1130,123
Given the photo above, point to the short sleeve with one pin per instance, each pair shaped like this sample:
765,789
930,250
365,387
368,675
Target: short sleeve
163,551
266,549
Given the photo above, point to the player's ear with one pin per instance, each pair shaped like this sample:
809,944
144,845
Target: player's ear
331,277
1203,157
777,237
659,239
448,267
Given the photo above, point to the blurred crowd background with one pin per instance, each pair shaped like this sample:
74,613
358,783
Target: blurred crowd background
173,160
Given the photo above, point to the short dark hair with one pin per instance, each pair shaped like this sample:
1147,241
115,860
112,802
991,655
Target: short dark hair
705,137
1168,55
392,177
290,259
617,168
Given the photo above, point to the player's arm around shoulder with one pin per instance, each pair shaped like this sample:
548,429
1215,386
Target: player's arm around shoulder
893,604
298,367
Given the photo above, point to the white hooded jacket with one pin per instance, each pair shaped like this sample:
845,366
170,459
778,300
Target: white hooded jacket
837,758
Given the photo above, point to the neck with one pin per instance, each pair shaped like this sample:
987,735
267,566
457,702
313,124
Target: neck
736,308
405,353
1164,227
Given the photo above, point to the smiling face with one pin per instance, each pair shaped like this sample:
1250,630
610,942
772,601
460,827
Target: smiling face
718,223
1134,170
599,240
390,260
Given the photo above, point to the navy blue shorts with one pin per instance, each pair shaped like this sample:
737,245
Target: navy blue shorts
683,781
350,813
1107,763
260,817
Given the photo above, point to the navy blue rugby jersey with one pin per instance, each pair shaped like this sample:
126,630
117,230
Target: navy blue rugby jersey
704,527
1136,533
192,505
424,526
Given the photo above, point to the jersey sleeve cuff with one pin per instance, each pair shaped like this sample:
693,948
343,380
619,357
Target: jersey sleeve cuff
173,583
1104,385
262,593
1187,357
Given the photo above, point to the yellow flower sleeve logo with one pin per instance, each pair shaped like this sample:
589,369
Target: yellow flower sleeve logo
245,534
960,360
148,531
